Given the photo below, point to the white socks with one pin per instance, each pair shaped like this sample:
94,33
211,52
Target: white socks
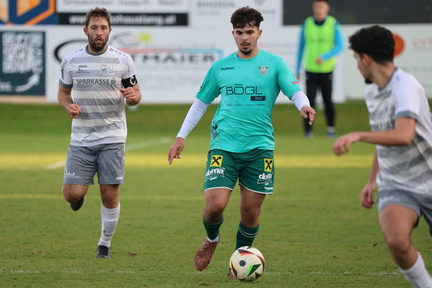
109,218
417,275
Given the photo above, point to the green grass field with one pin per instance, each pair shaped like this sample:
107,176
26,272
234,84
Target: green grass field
313,233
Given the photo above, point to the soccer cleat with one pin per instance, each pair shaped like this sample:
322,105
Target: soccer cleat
308,135
331,132
205,253
103,252
231,274
77,205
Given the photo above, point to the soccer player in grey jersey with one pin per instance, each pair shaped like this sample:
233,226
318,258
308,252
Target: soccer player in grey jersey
95,83
400,119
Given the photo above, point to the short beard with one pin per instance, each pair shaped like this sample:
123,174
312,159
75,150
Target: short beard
97,48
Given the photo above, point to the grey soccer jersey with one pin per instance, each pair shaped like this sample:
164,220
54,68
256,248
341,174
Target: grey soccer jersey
408,168
96,80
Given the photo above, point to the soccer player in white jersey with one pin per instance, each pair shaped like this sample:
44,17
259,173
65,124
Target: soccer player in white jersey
400,120
242,141
95,83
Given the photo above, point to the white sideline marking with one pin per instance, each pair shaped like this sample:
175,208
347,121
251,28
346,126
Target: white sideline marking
214,272
128,148
147,143
55,165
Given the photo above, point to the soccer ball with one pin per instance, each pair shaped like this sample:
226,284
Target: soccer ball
247,263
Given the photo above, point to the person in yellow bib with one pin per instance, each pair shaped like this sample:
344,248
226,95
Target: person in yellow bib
320,42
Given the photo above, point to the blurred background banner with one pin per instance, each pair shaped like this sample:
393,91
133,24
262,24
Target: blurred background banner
28,12
174,42
127,12
23,63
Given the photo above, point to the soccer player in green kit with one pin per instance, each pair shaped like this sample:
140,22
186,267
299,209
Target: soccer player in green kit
242,141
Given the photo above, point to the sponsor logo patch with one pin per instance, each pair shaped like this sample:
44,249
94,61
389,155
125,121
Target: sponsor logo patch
216,161
268,165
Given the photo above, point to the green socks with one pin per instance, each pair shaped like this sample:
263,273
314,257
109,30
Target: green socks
212,229
246,235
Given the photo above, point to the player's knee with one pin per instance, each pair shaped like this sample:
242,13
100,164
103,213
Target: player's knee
398,244
71,194
214,210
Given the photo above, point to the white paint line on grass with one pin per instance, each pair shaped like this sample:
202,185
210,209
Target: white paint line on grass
55,165
213,272
128,148
147,143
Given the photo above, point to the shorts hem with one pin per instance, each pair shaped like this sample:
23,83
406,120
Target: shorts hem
222,187
255,191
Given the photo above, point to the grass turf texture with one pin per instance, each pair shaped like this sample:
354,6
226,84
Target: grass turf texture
313,231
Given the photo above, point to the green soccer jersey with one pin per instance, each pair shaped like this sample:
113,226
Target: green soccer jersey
248,89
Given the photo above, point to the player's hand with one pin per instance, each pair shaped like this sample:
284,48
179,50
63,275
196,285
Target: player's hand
366,195
342,144
175,149
73,110
130,95
308,112
319,60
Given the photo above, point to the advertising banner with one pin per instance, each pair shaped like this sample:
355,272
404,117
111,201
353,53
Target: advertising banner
127,12
22,59
27,12
217,13
170,63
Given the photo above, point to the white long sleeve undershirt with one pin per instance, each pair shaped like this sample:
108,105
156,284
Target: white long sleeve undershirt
194,115
198,108
300,100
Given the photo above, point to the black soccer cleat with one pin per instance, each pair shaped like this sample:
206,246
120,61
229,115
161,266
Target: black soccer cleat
103,252
77,205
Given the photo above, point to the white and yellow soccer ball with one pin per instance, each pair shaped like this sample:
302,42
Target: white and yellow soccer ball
247,263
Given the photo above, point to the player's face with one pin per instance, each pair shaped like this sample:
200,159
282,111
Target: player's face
362,67
98,34
320,10
247,40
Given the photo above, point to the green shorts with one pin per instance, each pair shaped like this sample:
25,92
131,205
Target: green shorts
254,170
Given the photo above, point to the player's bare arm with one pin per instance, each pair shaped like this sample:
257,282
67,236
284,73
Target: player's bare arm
175,149
65,100
132,95
366,195
401,135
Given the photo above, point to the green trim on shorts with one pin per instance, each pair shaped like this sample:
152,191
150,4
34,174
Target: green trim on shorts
254,170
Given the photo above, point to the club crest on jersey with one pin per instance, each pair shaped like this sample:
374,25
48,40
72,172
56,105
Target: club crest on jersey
216,161
263,70
268,165
107,69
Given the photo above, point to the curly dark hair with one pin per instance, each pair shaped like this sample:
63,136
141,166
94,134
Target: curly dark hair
246,16
96,13
375,41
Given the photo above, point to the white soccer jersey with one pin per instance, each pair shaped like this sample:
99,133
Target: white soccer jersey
96,80
408,168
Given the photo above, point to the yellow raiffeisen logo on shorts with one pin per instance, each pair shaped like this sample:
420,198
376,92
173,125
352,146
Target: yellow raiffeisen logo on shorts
216,161
268,165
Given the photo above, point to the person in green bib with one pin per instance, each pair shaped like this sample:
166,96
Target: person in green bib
320,42
248,82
